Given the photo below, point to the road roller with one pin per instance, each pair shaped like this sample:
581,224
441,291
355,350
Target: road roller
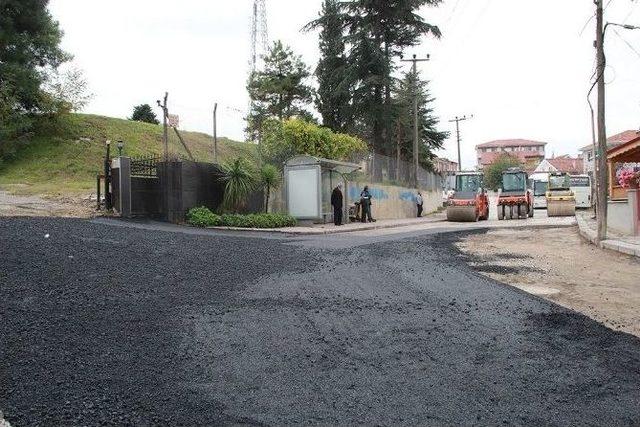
560,199
469,202
515,199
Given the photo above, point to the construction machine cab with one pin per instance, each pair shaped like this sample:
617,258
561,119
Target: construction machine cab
559,181
514,180
468,184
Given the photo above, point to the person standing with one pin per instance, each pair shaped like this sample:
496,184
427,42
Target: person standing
419,203
337,203
365,203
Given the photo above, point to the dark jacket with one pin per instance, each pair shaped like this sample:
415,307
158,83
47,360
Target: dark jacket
365,197
336,198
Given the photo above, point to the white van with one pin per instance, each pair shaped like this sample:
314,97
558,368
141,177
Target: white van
581,187
539,183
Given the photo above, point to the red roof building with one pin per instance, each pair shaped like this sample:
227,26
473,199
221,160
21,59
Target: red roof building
612,142
568,164
527,151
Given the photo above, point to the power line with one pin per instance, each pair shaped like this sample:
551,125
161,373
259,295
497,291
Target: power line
453,11
586,24
633,8
626,42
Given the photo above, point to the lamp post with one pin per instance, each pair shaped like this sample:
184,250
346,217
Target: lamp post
120,147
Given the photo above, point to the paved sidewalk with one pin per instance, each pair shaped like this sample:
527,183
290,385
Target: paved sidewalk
430,222
346,228
629,245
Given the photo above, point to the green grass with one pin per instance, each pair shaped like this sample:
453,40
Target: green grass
55,161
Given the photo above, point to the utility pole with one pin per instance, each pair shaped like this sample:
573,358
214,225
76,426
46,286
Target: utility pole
215,133
601,160
416,133
458,120
165,133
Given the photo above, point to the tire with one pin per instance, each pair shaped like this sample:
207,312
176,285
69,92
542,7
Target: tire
500,213
508,212
525,211
477,216
531,210
520,211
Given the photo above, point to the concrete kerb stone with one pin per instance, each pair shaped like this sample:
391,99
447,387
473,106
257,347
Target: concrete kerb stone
302,231
611,244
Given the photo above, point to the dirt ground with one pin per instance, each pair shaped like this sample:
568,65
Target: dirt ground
558,265
56,206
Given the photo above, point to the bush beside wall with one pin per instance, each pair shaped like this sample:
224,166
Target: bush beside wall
203,217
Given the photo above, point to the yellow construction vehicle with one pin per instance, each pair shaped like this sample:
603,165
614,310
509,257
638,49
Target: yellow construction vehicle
560,199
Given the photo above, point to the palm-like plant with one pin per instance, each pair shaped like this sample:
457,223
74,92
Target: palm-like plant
239,180
270,179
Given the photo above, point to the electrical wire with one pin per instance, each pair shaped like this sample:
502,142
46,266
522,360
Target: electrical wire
453,11
633,8
593,16
626,42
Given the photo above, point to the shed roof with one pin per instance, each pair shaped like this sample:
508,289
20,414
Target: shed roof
627,152
335,165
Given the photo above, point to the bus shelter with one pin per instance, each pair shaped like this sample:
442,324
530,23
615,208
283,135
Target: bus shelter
308,183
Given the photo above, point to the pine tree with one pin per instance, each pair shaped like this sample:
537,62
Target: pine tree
333,95
377,32
280,90
144,113
430,138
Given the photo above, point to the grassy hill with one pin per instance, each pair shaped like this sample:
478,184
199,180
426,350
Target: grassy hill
66,159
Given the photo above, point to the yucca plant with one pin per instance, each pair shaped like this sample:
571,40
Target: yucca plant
270,180
239,180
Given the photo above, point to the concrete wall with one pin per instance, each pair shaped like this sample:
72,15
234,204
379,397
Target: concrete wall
391,202
623,216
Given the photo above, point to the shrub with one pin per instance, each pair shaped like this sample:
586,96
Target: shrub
239,178
263,220
203,217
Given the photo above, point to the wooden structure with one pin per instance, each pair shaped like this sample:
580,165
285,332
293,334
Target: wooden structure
624,203
622,156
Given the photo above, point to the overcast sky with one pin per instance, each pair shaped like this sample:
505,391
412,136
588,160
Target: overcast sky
522,68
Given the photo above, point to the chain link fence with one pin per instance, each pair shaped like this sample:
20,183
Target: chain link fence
381,169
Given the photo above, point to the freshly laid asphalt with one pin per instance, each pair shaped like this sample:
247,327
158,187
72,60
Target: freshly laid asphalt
127,326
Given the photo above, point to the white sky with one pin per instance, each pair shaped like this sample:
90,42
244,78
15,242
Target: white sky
521,67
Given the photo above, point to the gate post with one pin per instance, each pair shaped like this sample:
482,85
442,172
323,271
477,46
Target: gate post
125,187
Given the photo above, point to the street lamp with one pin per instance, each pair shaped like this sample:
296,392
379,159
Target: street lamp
120,147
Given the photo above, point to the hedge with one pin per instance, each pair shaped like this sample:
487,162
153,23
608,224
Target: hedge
203,217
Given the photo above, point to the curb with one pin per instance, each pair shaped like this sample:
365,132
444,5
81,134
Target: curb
614,245
321,232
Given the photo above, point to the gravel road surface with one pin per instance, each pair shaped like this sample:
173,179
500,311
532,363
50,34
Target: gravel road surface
117,325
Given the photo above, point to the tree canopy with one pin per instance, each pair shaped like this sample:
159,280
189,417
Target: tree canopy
333,96
493,172
144,113
280,90
283,139
29,50
374,33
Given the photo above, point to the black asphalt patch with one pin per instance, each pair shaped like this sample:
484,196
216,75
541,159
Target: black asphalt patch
114,325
